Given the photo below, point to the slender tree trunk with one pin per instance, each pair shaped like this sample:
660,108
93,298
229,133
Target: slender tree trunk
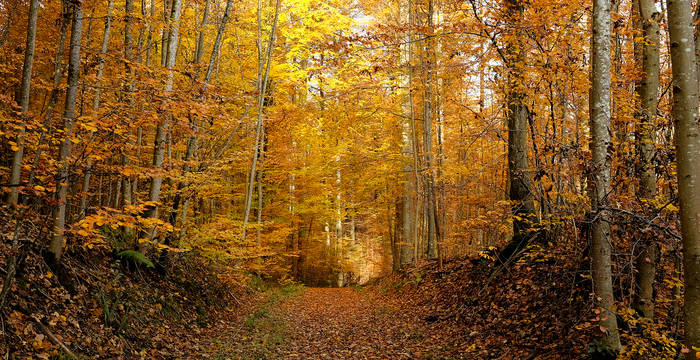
429,191
129,87
101,59
403,239
217,42
687,140
162,127
260,192
53,96
95,106
192,141
648,93
202,28
23,101
600,174
167,14
697,44
59,213
260,122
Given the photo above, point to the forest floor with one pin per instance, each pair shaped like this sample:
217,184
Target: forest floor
335,323
461,311
99,305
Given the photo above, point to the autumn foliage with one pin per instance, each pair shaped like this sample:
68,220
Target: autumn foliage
516,163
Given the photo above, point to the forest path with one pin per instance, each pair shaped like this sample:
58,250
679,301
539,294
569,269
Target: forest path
337,323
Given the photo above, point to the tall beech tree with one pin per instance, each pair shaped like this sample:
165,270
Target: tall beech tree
648,94
23,101
64,151
518,114
687,140
163,123
601,266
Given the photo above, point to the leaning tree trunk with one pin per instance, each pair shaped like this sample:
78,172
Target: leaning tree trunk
687,139
59,212
23,101
648,94
600,174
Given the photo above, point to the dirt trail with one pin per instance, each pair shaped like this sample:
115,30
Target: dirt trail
344,323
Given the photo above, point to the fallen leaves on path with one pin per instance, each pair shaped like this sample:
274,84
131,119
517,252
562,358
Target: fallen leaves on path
341,323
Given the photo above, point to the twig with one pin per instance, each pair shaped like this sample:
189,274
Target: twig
647,222
55,339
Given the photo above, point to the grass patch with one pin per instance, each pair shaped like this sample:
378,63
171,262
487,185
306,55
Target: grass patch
267,327
385,311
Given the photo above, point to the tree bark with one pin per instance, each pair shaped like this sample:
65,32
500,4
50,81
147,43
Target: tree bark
59,212
260,121
519,174
429,191
23,101
129,87
162,127
600,174
687,140
648,94
202,27
53,95
402,246
96,105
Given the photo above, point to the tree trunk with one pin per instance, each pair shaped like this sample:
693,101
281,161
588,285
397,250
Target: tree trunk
129,87
59,212
162,127
95,106
600,174
687,139
23,101
519,174
217,43
648,93
202,27
260,121
53,96
429,191
260,192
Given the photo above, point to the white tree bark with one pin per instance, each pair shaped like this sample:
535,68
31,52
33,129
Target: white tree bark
600,174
